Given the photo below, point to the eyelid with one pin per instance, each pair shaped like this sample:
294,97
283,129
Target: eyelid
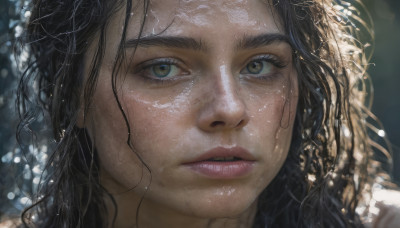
273,59
153,62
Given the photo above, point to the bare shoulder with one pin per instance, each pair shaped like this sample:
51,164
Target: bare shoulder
388,204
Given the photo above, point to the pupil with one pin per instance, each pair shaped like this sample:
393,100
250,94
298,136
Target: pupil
162,70
254,67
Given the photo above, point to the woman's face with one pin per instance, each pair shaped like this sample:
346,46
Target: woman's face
210,96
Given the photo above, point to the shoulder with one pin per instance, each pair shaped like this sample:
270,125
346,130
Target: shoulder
390,197
388,209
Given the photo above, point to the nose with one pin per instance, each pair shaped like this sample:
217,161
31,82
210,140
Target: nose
224,109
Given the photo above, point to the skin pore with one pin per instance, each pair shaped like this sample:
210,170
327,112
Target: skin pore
206,74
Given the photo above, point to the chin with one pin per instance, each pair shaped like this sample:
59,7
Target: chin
224,207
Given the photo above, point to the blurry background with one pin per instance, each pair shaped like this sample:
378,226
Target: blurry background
385,71
385,74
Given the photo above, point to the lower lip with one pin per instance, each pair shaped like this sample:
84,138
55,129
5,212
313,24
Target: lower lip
222,170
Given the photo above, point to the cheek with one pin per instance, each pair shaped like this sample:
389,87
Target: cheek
157,125
273,117
161,130
121,166
273,111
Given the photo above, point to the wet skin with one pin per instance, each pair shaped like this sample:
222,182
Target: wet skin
208,74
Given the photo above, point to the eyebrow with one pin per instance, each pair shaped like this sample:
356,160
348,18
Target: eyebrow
251,42
247,42
167,41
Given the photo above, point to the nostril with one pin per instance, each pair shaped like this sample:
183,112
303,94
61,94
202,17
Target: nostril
217,123
240,123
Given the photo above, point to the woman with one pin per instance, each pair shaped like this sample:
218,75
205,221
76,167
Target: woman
198,114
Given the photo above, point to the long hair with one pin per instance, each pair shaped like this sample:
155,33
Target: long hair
324,176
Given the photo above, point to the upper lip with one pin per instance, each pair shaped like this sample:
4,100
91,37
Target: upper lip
222,152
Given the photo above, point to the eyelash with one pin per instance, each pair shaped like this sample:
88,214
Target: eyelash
274,60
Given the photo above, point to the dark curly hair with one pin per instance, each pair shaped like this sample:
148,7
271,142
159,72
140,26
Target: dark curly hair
324,177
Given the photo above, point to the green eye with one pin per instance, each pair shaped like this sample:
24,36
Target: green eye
162,70
259,67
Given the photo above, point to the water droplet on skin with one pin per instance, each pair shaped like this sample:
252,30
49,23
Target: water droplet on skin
263,108
173,106
231,191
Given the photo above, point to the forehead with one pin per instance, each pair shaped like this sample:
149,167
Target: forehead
199,17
